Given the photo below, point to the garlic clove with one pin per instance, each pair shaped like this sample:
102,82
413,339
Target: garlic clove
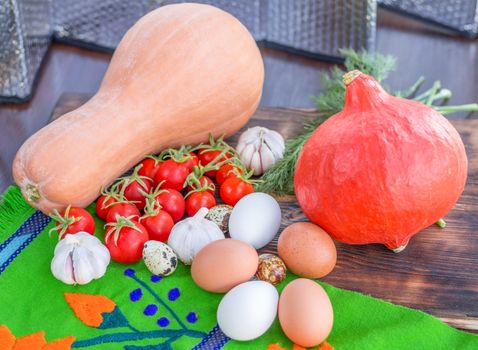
274,136
257,142
267,158
256,163
102,255
82,265
246,155
62,268
65,245
240,147
242,137
250,135
63,249
275,144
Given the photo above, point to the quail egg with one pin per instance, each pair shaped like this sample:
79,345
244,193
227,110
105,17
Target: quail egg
159,258
271,269
220,214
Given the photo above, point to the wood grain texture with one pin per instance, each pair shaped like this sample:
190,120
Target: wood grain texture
437,273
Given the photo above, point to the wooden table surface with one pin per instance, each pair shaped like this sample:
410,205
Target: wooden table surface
437,272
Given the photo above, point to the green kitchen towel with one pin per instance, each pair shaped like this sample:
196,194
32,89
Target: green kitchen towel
131,309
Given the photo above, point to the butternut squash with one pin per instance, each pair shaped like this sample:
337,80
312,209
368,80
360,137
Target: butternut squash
180,72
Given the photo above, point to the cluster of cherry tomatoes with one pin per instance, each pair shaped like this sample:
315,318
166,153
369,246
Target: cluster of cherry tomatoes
146,204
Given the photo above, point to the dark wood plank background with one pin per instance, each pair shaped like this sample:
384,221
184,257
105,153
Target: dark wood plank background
289,82
436,273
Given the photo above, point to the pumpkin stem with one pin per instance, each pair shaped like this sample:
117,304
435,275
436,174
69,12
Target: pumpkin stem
366,93
350,76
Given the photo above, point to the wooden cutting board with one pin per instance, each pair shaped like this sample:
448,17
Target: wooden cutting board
437,272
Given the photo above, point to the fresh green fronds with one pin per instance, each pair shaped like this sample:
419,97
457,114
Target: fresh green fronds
377,65
280,178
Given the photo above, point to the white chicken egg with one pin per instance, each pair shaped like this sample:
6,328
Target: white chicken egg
255,219
248,310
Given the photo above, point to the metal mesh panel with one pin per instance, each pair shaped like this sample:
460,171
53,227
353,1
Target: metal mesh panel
315,27
248,12
312,27
458,15
321,27
25,33
98,23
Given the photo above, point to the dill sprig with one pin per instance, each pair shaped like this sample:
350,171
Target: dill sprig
280,178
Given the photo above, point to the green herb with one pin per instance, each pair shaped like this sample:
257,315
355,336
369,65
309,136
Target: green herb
280,178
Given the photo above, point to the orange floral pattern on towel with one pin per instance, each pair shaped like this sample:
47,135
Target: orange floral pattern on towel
90,308
323,346
34,341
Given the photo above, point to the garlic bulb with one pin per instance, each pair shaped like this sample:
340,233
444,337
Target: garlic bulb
190,235
259,148
79,258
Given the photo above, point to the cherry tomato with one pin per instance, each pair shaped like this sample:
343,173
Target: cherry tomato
233,189
159,226
191,162
226,171
204,180
173,174
206,156
128,247
122,209
133,191
198,200
150,168
73,220
173,203
102,206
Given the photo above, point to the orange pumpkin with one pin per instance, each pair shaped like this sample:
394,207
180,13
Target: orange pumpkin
382,169
180,72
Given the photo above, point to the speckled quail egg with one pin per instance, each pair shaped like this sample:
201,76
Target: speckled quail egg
220,214
271,269
159,258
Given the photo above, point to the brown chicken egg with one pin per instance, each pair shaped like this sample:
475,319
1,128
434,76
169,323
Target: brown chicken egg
271,269
223,264
307,250
305,312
